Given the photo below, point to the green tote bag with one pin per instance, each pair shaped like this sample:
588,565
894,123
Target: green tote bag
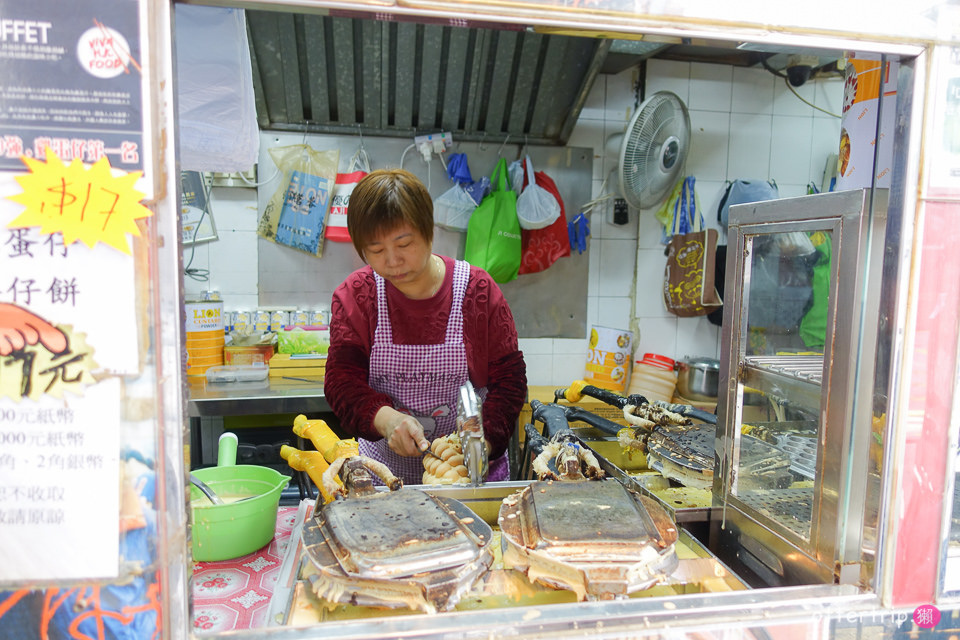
493,233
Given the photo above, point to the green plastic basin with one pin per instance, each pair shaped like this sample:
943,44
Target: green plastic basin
224,532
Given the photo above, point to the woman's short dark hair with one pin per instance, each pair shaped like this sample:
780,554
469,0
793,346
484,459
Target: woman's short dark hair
384,200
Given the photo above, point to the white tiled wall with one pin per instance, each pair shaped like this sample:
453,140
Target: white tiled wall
232,259
746,124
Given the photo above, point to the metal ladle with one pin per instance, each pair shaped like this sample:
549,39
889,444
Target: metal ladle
207,491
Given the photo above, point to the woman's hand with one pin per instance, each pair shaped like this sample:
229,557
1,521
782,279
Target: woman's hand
403,433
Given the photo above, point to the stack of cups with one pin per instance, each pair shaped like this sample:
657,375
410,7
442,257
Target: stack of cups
654,377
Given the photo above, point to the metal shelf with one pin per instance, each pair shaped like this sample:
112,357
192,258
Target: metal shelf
798,378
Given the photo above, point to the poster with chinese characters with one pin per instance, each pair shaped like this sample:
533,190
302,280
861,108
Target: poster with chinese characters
90,288
68,331
72,82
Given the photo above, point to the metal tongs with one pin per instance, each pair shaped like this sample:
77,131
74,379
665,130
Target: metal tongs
470,430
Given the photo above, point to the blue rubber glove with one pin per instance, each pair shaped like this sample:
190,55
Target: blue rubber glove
578,229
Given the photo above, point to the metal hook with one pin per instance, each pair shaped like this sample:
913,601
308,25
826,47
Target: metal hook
522,150
500,150
303,142
483,136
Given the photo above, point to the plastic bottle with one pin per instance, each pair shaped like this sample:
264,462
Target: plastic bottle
653,377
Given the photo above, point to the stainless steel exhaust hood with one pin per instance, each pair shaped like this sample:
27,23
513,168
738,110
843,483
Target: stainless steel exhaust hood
323,74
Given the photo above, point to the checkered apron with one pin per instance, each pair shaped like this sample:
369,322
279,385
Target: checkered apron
423,381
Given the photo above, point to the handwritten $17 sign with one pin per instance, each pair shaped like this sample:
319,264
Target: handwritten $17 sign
84,203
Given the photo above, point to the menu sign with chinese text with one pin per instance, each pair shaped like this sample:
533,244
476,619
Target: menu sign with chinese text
59,497
68,329
71,82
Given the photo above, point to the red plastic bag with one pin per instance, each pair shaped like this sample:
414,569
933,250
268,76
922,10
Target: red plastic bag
540,248
346,182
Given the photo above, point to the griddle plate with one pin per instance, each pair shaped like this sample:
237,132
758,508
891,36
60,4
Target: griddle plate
399,533
575,513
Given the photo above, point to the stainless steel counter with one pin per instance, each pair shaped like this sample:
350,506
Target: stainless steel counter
209,402
273,395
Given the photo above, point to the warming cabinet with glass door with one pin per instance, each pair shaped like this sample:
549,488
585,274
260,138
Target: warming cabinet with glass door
799,439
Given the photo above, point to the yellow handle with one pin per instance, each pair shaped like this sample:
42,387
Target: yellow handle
312,462
324,439
574,392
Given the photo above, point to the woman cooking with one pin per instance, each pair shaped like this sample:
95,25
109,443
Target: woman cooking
410,328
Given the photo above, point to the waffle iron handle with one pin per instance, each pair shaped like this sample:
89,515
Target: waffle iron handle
689,411
579,414
579,388
534,442
553,417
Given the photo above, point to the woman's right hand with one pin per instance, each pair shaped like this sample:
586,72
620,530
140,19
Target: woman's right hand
403,433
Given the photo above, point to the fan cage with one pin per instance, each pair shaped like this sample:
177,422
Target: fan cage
654,150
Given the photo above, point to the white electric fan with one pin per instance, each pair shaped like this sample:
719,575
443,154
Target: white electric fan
654,150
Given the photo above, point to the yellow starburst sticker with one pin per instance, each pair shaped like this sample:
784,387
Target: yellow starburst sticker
85,203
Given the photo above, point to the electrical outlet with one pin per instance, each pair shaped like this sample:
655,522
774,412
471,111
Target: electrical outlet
621,214
438,142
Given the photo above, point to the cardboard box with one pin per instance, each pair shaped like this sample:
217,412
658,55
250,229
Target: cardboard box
247,354
298,372
290,360
288,364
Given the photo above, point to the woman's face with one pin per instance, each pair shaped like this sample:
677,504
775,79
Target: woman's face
401,256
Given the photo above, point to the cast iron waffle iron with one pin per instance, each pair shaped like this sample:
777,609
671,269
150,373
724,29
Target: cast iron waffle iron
573,529
397,548
679,449
675,446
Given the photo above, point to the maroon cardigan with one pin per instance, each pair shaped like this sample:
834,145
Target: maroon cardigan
489,332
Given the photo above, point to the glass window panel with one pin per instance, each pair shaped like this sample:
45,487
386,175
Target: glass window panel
786,305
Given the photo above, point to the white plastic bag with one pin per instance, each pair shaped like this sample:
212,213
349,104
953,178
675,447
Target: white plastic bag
215,103
536,207
452,209
515,174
